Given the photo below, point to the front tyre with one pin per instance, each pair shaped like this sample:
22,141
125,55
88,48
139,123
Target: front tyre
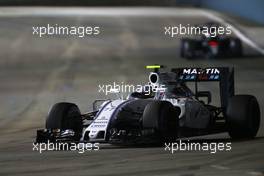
162,116
64,116
243,116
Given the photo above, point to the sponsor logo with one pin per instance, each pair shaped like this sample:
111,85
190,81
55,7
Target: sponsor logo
208,74
200,71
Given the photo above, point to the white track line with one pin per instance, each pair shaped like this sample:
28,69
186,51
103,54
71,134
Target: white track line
255,173
99,11
219,167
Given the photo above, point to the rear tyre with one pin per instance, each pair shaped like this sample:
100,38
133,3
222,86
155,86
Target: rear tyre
65,116
162,116
187,47
209,54
243,116
182,52
236,47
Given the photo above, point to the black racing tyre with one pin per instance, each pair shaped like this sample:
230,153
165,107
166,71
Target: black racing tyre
187,47
182,54
64,116
164,118
243,116
236,47
209,54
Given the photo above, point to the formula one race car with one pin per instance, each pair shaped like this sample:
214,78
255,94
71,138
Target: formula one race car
172,111
211,44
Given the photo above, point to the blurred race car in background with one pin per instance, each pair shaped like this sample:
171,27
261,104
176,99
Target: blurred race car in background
211,46
164,115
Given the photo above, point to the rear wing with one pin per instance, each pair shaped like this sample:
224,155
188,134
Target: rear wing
223,75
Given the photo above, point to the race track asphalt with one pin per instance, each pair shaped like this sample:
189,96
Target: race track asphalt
38,72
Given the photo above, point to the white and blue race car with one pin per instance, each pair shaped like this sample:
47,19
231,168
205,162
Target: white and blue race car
162,116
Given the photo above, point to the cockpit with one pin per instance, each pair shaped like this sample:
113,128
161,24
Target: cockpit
174,87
